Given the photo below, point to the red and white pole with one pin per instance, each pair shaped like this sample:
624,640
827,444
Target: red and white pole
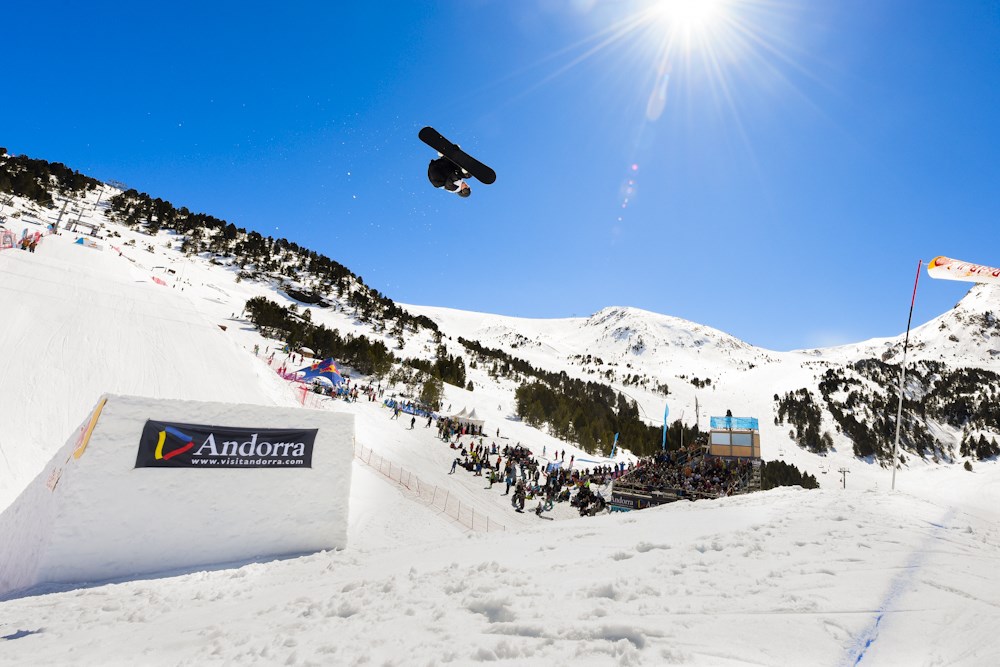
902,377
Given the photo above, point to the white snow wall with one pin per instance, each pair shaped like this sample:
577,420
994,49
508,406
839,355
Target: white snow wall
97,517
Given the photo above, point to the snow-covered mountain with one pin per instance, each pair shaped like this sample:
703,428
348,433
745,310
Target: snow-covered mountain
782,577
966,335
648,357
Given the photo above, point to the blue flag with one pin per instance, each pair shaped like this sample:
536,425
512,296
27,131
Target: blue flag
614,446
666,411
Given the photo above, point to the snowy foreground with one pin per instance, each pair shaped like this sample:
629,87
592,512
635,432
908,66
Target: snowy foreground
786,577
781,578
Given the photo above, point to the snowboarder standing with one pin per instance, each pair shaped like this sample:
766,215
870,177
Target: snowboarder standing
443,173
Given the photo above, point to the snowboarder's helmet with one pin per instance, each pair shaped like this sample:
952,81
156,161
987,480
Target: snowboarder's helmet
465,191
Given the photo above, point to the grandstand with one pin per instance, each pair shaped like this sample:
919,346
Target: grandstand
726,464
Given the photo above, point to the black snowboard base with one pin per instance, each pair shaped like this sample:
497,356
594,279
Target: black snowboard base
480,171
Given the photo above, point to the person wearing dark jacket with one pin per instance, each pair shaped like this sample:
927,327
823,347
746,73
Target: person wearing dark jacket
443,173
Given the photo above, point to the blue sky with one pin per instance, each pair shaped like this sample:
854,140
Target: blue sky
805,157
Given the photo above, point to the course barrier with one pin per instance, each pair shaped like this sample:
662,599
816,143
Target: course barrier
429,494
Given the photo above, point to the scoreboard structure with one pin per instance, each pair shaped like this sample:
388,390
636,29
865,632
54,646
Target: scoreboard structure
734,437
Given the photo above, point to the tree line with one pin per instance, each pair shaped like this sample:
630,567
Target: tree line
370,357
863,399
36,179
259,257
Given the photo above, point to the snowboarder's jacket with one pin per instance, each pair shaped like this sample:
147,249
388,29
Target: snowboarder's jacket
442,172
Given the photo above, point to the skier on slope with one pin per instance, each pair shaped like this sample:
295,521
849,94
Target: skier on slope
442,172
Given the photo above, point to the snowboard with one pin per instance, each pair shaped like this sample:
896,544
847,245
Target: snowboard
480,171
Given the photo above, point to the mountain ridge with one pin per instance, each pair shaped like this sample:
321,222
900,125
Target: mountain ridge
648,357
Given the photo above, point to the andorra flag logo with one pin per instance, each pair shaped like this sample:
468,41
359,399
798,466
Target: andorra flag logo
186,443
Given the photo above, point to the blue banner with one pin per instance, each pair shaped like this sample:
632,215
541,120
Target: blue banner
738,423
666,411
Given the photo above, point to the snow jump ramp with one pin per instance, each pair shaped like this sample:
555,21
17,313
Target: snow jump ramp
149,486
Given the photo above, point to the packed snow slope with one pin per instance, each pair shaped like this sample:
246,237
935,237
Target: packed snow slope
778,578
831,577
79,322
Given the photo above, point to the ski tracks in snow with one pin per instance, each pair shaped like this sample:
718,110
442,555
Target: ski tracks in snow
900,585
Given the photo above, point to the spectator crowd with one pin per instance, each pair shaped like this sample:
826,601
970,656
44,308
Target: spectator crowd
688,473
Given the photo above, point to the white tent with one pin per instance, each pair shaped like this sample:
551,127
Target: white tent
468,417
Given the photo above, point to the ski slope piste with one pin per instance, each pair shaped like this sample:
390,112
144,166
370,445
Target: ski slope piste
147,486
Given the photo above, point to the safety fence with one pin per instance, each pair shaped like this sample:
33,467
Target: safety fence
408,408
308,398
429,494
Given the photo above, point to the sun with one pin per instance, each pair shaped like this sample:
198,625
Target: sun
687,15
687,45
690,27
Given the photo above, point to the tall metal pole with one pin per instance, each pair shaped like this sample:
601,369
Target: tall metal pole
63,210
682,429
902,378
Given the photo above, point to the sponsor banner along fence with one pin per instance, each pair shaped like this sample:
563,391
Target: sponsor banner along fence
429,494
8,240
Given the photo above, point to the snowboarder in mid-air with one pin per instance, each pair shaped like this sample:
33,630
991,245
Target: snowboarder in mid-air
453,165
443,173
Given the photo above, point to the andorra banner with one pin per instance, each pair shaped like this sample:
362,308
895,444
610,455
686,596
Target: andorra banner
953,269
172,445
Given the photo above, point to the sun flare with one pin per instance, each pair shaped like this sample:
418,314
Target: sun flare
687,15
